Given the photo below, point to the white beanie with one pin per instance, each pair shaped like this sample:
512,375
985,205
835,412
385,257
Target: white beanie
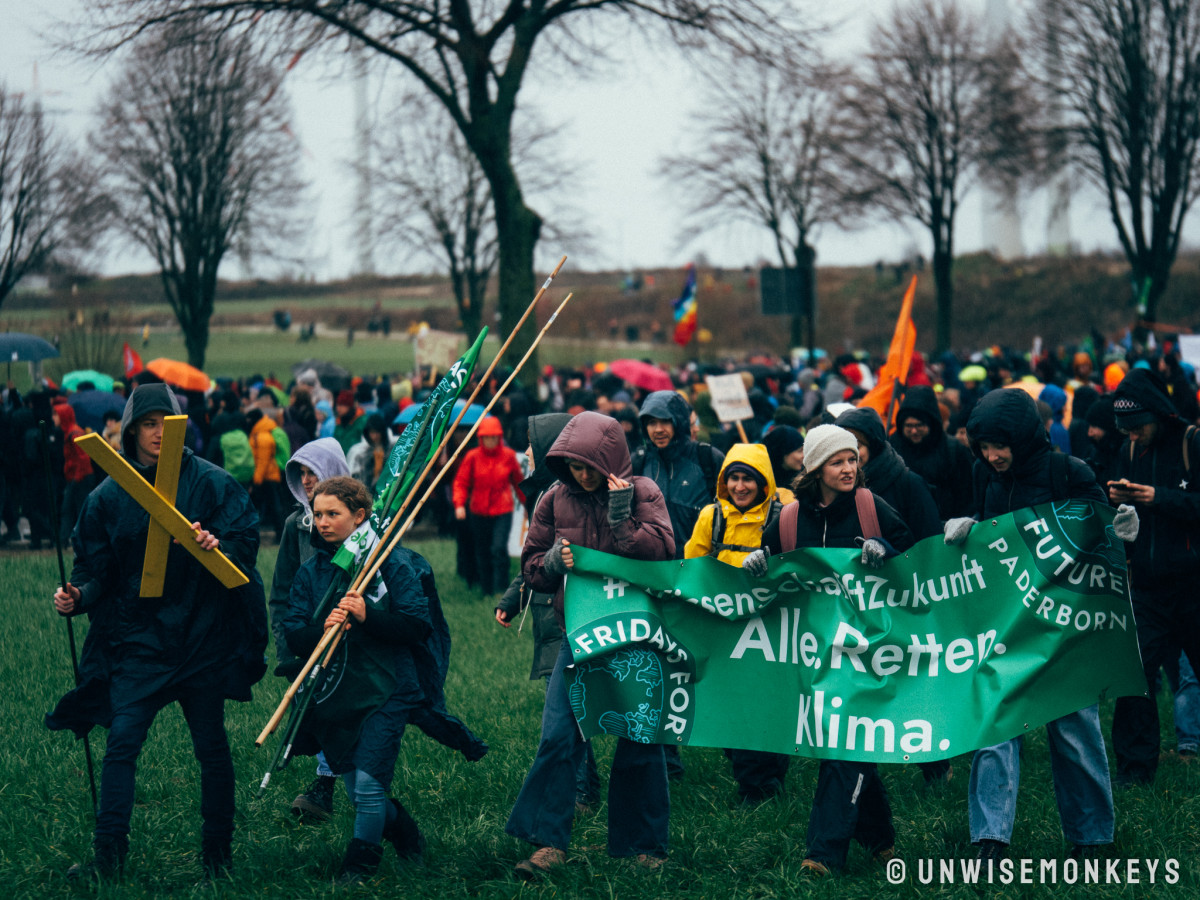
823,442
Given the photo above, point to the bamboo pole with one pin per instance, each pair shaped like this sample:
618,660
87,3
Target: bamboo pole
373,558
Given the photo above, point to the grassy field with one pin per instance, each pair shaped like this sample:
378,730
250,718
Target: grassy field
718,849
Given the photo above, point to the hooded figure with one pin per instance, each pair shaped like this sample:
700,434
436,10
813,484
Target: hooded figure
199,643
782,442
1017,469
484,482
543,432
685,471
323,458
1157,470
368,457
742,527
943,462
888,477
630,520
77,470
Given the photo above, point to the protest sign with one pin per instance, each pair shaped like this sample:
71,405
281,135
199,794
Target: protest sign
729,399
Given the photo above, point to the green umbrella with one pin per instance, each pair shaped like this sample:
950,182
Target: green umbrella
99,380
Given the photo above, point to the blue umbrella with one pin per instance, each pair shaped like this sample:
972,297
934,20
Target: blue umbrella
410,412
90,407
15,346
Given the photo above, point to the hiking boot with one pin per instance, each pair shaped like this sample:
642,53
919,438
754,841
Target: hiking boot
540,863
107,864
813,868
361,863
316,804
404,835
989,849
216,857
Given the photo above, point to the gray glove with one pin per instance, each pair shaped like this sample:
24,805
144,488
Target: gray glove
618,505
552,562
1125,523
756,563
873,553
957,530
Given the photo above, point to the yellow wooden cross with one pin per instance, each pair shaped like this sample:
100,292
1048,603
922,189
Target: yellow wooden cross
166,521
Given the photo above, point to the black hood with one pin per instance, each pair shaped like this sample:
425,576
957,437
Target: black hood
885,465
1148,389
145,399
921,401
1009,416
543,432
867,421
671,406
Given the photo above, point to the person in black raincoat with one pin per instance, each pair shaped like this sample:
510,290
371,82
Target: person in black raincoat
932,453
198,645
393,664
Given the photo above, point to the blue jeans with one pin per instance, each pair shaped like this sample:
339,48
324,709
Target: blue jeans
639,804
1081,783
204,710
1186,689
372,811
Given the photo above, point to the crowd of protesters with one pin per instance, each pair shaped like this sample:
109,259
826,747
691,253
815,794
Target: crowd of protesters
655,474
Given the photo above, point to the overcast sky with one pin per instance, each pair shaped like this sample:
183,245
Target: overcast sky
616,127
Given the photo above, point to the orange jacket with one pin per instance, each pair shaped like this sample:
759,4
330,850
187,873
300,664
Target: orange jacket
263,445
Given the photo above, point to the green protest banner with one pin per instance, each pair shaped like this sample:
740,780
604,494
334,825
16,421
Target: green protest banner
943,650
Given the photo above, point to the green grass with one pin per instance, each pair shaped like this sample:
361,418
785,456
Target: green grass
718,850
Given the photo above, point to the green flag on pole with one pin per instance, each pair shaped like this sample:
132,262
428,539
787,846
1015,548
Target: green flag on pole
409,456
943,650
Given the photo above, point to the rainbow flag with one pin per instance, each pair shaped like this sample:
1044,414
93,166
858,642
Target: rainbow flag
685,309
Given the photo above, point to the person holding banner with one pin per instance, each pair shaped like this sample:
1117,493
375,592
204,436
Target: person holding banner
597,503
834,509
1015,468
391,670
731,529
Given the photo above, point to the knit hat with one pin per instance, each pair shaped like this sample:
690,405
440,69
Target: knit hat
1100,413
750,471
823,442
1130,413
345,398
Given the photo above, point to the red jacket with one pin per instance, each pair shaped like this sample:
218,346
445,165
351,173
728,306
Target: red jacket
77,465
486,479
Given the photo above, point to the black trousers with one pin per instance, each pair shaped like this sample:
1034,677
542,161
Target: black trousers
850,803
1168,621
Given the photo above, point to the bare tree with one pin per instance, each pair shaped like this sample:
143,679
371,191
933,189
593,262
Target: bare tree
926,120
50,203
766,159
432,197
1126,76
472,56
199,161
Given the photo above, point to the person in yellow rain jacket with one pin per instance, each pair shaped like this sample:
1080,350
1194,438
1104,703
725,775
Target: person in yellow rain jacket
730,529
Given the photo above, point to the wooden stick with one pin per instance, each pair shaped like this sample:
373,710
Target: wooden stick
741,431
396,519
369,573
373,559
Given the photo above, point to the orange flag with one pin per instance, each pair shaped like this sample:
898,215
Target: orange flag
895,370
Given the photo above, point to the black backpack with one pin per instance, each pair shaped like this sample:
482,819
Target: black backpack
718,528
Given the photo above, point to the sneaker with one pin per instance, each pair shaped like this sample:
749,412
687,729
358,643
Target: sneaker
316,804
989,849
540,863
813,868
1186,751
649,863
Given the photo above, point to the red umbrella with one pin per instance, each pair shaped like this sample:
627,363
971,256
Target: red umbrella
180,374
642,374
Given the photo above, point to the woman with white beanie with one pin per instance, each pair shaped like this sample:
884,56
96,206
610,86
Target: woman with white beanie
850,801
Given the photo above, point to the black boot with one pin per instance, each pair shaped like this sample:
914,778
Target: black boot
108,861
216,858
316,803
361,862
403,834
